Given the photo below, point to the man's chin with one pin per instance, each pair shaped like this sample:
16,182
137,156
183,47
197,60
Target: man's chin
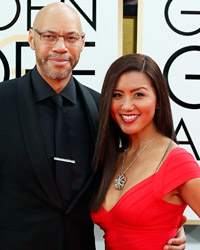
58,75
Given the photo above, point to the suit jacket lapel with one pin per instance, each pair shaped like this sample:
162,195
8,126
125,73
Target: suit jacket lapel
92,114
33,139
91,109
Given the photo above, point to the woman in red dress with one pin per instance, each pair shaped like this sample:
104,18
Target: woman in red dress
147,180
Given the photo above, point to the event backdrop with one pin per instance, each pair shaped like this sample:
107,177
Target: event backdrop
102,24
169,32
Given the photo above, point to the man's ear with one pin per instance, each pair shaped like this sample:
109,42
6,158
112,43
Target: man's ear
83,42
30,39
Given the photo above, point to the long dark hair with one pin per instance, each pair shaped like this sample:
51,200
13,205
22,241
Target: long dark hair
109,134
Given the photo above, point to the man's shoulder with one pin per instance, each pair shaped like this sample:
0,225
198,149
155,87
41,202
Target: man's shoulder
7,87
11,82
6,82
94,93
86,87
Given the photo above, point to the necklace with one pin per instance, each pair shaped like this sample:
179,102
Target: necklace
120,181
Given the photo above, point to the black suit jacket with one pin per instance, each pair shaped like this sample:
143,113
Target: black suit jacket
31,212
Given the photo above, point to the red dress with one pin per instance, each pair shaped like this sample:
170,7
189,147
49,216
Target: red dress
141,219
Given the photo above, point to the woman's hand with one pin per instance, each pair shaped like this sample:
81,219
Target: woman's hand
177,243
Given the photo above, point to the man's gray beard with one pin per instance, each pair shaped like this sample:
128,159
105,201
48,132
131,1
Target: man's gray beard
57,75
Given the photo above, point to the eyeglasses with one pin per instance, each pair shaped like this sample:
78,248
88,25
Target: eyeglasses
51,38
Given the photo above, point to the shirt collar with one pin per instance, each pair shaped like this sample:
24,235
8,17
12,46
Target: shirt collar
43,90
69,91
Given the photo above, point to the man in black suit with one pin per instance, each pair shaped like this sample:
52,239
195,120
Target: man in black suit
34,212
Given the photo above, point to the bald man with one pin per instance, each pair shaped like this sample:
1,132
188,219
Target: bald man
39,208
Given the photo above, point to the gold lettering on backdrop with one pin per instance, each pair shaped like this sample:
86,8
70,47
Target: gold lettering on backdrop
12,39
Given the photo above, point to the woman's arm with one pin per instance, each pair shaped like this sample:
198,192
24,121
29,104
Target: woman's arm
190,193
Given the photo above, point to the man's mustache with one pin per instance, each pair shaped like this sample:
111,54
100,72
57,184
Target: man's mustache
59,56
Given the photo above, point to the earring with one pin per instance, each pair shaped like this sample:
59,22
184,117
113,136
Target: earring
120,143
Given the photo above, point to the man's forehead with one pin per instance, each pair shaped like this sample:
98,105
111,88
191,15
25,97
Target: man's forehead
58,23
55,13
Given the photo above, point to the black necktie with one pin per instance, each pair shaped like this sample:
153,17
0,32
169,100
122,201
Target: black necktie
62,159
